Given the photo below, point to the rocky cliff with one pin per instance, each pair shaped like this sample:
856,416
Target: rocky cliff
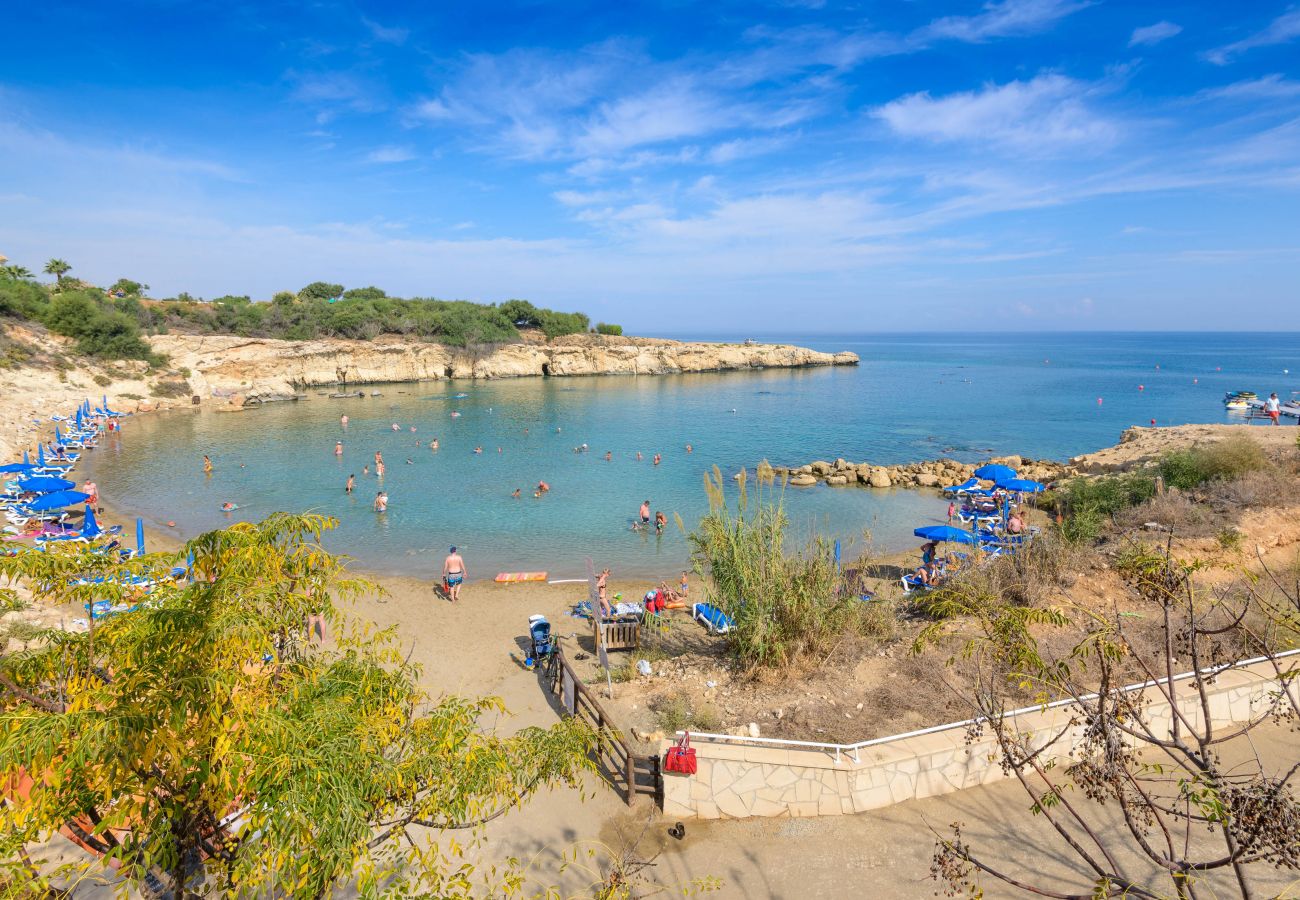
252,369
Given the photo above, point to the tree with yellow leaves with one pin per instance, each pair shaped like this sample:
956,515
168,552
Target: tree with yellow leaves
204,740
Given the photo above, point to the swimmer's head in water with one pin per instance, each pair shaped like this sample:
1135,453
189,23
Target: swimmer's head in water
453,550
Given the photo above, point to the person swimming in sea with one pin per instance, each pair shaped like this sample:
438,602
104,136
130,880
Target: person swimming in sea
690,449
433,444
343,420
543,487
657,458
660,521
397,427
352,483
478,450
381,502
338,448
609,456
365,470
409,461
516,493
228,506
412,429
207,465
638,456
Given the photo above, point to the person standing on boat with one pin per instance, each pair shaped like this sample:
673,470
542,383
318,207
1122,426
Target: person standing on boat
1273,407
453,574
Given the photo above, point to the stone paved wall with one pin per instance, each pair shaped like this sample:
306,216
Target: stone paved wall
742,778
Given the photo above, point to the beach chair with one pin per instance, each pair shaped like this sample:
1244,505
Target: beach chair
966,486
712,618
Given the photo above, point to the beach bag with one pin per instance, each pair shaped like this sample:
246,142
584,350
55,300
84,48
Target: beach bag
681,758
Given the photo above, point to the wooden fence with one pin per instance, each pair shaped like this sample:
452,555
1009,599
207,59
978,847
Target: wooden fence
627,772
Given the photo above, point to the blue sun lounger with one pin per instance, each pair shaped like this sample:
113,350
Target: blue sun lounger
712,618
966,486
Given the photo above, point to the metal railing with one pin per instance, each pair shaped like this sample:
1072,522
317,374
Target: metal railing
853,749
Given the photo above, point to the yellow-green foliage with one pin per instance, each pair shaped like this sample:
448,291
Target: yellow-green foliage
211,699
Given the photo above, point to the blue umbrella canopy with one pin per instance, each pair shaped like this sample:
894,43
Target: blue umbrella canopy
89,526
1023,485
946,533
46,484
78,418
17,467
139,537
26,459
995,472
40,455
58,435
58,500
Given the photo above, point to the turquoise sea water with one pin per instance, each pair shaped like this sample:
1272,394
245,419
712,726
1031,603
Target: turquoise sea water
914,397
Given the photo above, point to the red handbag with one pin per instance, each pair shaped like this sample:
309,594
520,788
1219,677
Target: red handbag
681,758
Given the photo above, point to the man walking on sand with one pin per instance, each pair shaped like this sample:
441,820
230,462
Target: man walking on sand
1273,407
453,574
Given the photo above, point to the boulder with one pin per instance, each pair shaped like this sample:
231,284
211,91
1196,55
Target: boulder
821,467
803,479
838,479
804,470
880,479
927,479
840,465
1012,461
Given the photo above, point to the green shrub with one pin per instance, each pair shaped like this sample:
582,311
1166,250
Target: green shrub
171,388
1226,460
605,328
680,712
785,604
103,380
1087,505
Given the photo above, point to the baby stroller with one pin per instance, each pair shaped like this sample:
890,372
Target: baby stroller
539,630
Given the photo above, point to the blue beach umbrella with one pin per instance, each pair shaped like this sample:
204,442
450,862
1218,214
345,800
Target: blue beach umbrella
90,527
17,467
946,533
58,500
46,484
995,472
27,460
58,435
1023,485
78,418
40,456
139,537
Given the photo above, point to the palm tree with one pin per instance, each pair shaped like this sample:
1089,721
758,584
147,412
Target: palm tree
17,273
58,268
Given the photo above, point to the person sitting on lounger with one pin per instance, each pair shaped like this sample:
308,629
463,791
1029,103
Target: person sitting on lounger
928,574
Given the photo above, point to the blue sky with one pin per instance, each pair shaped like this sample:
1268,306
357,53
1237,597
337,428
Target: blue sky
804,166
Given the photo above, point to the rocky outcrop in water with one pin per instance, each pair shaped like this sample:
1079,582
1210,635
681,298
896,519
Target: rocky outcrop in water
935,473
259,369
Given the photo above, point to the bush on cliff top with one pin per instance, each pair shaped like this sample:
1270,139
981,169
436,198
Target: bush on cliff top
112,327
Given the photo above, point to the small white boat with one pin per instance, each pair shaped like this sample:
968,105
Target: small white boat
1239,399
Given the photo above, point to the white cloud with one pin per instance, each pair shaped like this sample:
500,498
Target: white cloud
1006,19
1149,35
1284,29
390,154
585,198
1270,87
332,90
1046,112
386,35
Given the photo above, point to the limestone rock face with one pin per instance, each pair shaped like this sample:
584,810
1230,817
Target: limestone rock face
268,369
